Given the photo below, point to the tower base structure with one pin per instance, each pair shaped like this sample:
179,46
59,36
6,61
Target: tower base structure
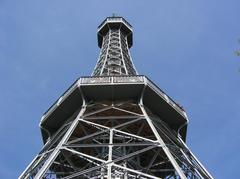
119,127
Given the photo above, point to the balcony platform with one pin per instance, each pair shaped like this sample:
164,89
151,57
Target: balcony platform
113,88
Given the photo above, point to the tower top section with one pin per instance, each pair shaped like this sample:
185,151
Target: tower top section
115,23
114,39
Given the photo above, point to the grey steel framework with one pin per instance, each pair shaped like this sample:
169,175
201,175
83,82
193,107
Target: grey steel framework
115,39
115,124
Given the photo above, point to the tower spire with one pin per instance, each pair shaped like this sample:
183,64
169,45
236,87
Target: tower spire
115,40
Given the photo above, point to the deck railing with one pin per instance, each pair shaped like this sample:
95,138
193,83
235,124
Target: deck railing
114,19
106,80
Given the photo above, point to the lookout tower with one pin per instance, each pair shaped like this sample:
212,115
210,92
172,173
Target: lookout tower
115,124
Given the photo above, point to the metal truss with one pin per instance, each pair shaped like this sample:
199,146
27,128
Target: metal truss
115,139
114,58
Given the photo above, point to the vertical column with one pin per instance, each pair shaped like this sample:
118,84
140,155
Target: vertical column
122,55
125,163
164,147
106,56
160,140
110,154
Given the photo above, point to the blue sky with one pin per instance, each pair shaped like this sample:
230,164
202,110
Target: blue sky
186,47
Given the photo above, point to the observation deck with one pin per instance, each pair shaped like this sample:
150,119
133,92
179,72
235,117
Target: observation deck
113,88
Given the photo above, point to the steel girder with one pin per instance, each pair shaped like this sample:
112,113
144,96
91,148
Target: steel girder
115,139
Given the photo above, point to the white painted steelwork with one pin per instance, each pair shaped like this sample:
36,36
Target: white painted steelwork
115,124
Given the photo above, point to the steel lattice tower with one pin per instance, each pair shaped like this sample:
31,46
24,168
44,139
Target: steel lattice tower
115,124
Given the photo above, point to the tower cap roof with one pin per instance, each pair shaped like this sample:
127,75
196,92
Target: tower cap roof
114,23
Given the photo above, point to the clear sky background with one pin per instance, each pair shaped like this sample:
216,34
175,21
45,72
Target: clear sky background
185,46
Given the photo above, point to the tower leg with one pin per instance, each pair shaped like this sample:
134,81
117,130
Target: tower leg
164,147
116,140
55,152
